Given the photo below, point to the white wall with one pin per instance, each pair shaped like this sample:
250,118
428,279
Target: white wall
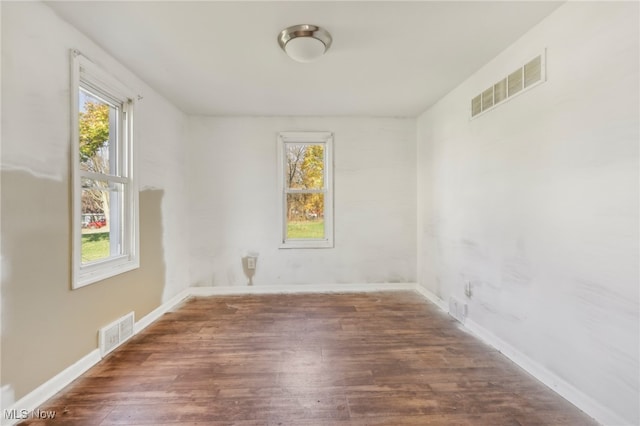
536,203
234,202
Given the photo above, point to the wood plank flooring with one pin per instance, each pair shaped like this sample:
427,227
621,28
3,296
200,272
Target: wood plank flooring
315,359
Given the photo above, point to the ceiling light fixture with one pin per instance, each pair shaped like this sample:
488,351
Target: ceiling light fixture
304,43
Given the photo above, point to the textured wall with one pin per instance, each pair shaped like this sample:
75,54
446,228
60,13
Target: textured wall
535,203
234,200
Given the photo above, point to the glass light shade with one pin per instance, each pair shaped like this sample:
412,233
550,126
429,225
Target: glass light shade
305,49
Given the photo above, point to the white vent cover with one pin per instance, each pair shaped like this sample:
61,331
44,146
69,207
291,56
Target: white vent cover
527,76
115,334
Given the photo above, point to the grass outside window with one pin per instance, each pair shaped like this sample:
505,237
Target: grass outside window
313,229
95,246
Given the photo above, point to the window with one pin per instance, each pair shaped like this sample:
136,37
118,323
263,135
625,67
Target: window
105,197
305,165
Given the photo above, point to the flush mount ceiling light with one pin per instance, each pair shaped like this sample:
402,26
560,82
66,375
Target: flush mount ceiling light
304,43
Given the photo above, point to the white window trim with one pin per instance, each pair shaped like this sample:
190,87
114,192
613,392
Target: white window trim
83,275
311,138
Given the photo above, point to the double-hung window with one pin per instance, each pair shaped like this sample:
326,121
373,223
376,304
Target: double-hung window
306,190
105,196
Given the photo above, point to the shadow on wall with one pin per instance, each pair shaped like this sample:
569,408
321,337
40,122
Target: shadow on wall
40,312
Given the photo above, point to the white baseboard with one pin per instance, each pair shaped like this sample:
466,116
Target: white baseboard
314,288
563,388
152,316
431,297
35,398
40,395
566,390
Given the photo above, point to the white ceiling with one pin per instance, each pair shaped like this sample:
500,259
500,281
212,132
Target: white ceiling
222,58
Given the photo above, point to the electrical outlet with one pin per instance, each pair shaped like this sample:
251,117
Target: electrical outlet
467,289
251,262
457,309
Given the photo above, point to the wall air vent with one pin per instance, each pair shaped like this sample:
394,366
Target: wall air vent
115,334
519,81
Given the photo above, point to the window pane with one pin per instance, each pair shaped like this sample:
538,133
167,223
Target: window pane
101,220
305,166
305,216
97,132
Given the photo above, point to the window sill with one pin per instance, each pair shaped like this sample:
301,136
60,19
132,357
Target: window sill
91,274
306,244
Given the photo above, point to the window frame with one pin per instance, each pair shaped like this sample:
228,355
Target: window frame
306,138
86,74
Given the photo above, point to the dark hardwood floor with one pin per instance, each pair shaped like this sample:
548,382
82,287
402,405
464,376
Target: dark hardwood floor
321,359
